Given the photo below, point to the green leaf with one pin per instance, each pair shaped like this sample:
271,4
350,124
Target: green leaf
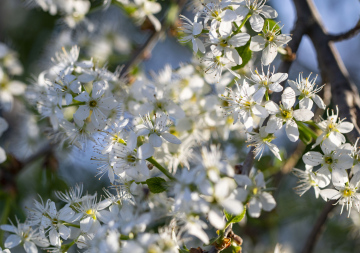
245,54
184,250
157,184
271,23
234,218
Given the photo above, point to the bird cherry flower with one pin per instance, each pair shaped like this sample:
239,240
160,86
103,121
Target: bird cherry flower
216,64
269,42
269,82
306,90
255,8
244,103
225,44
309,179
192,30
130,160
331,161
55,222
220,16
67,86
333,129
158,130
254,192
24,234
96,104
345,192
286,114
262,139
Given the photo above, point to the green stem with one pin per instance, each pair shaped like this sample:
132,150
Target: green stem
71,225
312,123
267,95
66,247
243,23
74,104
4,216
161,168
307,129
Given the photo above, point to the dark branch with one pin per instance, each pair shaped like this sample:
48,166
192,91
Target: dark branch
318,227
346,35
149,45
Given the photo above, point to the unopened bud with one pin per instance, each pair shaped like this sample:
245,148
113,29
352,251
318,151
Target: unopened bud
238,169
197,250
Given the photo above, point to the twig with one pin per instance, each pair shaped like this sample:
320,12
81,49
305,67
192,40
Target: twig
148,46
318,227
346,35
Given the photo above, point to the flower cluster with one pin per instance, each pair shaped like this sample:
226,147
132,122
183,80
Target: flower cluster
220,27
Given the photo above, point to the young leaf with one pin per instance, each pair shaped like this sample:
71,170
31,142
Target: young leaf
234,218
245,54
156,184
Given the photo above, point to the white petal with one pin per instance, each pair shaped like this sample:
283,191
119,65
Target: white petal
256,22
257,43
86,223
233,55
313,158
288,98
254,208
83,97
267,201
323,176
145,151
269,54
259,111
272,107
155,140
319,102
2,155
12,241
339,177
233,206
276,87
225,29
171,138
303,114
306,103
292,130
330,194
64,232
345,127
216,219
30,247
108,103
274,125
54,237
239,39
268,12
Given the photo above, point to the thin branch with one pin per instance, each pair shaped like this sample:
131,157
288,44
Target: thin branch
346,35
149,45
318,227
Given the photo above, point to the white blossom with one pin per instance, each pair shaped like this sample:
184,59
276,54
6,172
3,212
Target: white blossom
256,8
286,114
269,42
306,91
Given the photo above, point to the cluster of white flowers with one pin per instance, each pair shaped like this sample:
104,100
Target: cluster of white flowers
10,88
72,11
220,27
151,136
141,10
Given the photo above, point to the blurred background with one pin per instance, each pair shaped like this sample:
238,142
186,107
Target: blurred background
111,36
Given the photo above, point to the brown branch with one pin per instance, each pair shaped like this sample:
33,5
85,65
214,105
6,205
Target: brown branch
318,227
346,35
149,45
